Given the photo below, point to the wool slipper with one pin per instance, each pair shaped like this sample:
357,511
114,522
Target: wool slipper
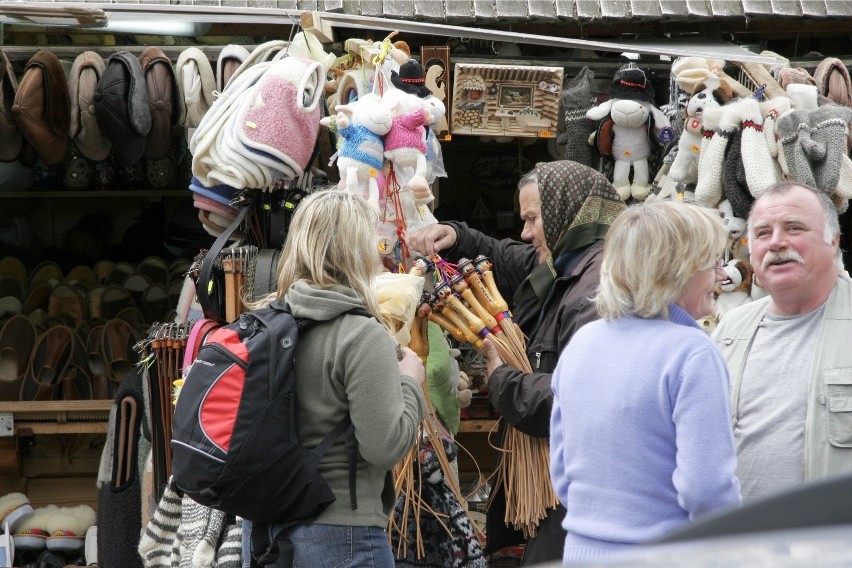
114,299
31,531
49,361
17,338
102,269
13,508
46,271
67,528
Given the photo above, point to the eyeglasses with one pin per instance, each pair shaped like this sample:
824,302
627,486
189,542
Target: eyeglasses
718,265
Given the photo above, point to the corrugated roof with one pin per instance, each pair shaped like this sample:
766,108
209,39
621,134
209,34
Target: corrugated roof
461,12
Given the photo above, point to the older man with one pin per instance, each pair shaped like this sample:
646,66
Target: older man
790,353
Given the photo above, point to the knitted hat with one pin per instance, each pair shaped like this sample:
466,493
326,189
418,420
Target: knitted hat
829,126
795,137
760,169
224,194
631,83
41,106
708,189
832,81
207,204
411,79
9,132
85,132
121,106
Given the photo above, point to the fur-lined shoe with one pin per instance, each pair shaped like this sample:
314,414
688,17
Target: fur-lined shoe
67,528
31,533
13,507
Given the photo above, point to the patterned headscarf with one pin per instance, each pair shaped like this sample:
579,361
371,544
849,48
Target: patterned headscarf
578,205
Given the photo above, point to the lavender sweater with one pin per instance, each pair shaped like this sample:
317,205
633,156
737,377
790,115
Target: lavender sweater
641,440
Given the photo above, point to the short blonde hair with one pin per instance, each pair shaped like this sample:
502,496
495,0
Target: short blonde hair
651,252
331,240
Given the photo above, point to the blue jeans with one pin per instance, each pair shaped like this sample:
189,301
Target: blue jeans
340,546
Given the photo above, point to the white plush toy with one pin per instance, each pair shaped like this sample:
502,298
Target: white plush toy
631,108
736,227
361,125
709,94
405,142
735,289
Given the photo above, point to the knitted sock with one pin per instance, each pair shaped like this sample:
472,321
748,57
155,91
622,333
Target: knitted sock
578,97
201,527
829,126
771,110
734,177
760,169
844,186
794,127
229,551
155,547
708,189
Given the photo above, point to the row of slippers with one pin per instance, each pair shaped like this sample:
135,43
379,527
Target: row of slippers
85,362
77,297
59,529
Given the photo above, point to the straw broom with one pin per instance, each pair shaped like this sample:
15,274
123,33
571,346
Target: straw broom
524,470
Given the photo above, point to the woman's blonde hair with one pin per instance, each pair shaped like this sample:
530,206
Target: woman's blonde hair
650,254
331,241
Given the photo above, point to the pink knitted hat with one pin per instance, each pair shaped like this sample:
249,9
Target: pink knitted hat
206,204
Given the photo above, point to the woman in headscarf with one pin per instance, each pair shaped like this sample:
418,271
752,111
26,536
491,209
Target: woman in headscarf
567,209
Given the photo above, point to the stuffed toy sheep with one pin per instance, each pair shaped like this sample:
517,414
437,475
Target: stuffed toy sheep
405,143
633,116
361,125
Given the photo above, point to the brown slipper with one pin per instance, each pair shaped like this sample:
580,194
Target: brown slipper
119,337
17,338
101,385
49,361
68,301
76,383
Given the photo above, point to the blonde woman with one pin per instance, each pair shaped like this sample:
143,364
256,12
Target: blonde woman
641,440
346,364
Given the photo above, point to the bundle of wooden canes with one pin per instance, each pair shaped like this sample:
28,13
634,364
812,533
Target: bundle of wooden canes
408,479
468,305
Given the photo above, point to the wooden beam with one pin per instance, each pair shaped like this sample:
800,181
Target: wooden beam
313,22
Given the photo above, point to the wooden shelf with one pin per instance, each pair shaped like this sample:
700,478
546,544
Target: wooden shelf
59,416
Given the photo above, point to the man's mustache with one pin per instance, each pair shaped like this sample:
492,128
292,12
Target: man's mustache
781,256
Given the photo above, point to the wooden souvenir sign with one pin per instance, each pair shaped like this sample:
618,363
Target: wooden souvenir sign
436,65
506,100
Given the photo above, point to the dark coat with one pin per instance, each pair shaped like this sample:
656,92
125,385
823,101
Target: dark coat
524,400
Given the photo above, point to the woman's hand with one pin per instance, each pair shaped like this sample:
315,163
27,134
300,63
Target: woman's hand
411,365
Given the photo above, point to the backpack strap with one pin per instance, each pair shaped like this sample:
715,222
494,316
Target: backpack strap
205,282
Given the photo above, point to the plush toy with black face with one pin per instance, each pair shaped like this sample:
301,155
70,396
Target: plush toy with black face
708,94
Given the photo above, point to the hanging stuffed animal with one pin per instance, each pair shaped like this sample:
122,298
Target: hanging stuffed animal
625,137
361,125
735,290
405,143
708,94
736,227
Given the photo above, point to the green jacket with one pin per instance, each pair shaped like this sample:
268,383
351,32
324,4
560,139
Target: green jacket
348,364
828,421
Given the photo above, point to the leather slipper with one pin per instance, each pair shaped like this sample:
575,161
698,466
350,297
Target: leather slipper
82,275
113,300
102,269
155,268
10,286
119,337
76,382
49,361
67,300
93,302
47,271
14,267
101,385
155,303
119,272
17,338
38,297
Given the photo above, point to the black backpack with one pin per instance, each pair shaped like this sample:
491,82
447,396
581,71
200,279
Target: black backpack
234,443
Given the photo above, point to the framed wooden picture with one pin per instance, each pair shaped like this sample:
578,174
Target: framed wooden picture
506,100
510,95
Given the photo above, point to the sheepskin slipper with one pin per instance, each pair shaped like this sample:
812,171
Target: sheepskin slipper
31,532
13,506
67,528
